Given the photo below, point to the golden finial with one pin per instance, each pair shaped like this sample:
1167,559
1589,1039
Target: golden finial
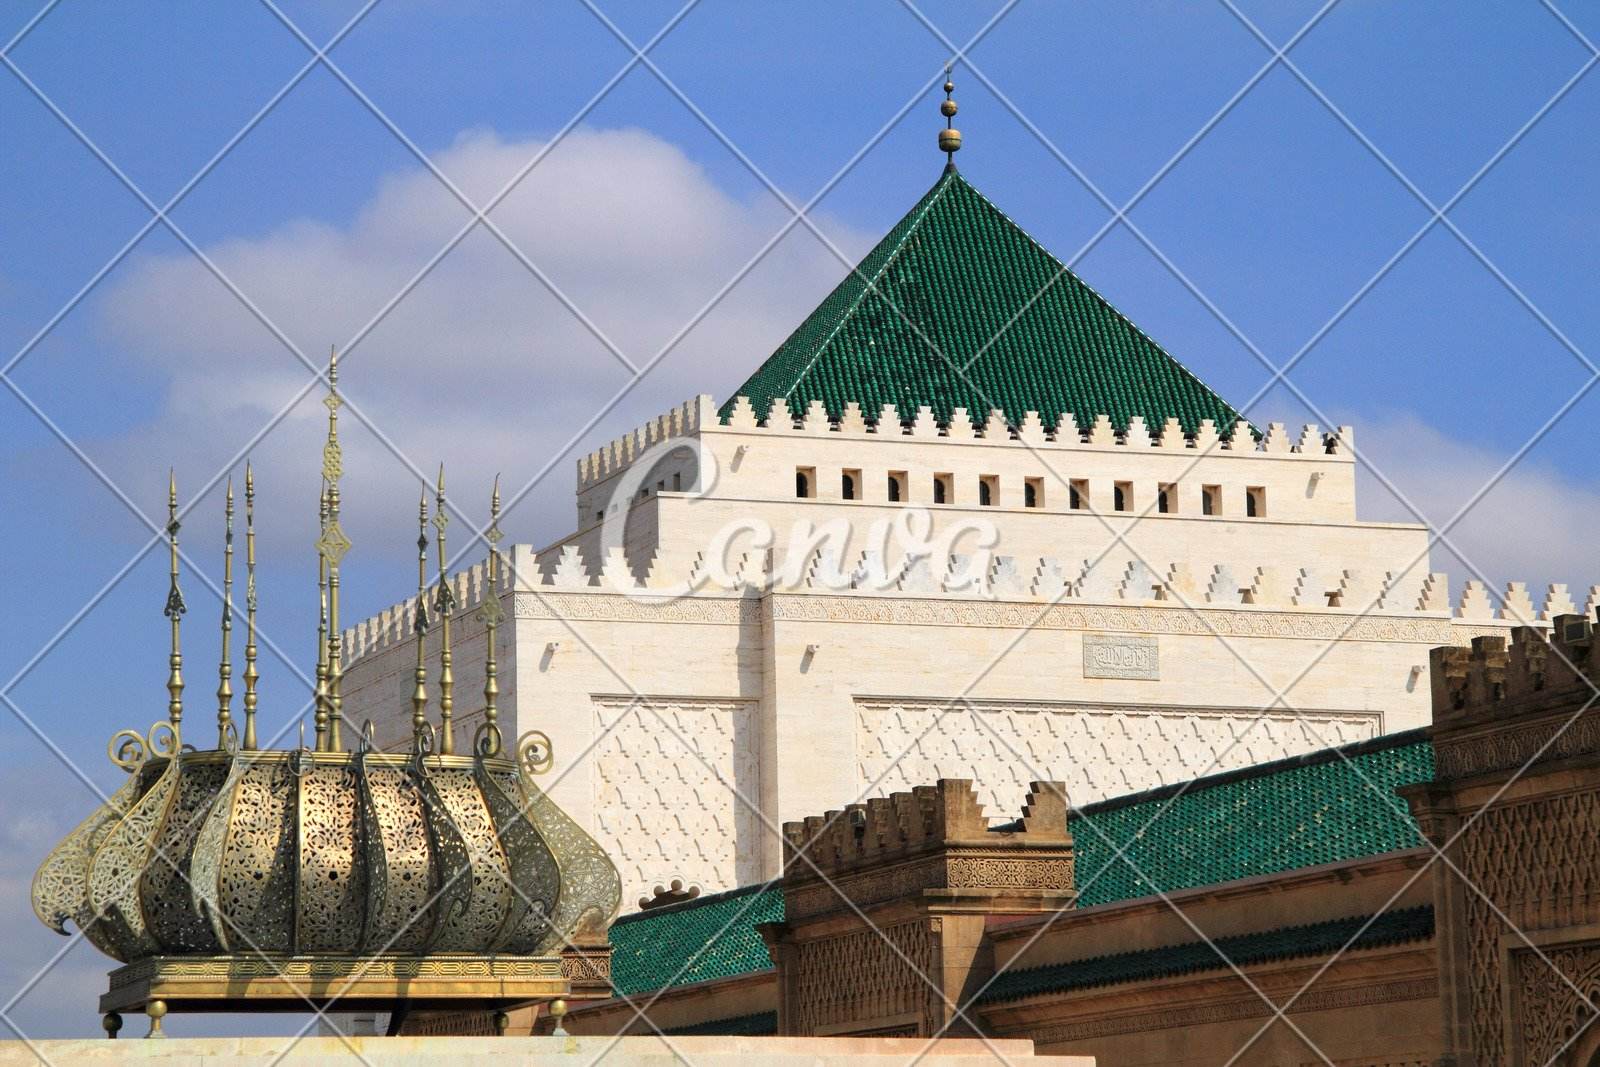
320,716
332,546
224,667
490,612
174,611
419,695
949,137
444,605
250,675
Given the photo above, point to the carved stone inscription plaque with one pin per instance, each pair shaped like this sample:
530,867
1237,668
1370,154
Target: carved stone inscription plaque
1120,656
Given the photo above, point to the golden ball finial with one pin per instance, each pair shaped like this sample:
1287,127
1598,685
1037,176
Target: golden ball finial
949,137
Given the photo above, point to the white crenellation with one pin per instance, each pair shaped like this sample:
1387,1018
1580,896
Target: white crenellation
1475,602
1557,602
1435,594
1516,605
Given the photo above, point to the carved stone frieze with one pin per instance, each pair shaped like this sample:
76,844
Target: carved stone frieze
1098,751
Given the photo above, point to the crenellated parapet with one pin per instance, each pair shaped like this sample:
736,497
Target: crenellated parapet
935,836
912,877
1089,431
682,421
1508,702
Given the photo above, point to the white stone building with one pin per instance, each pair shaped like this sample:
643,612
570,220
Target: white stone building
1122,586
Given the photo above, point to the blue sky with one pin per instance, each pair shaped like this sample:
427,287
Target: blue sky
1278,216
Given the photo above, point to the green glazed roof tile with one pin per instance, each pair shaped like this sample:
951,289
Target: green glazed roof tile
956,276
710,937
1300,812
1288,942
1273,817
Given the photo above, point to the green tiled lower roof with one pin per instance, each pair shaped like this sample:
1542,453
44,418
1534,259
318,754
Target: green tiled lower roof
1299,812
761,1024
958,273
1315,939
1273,817
710,937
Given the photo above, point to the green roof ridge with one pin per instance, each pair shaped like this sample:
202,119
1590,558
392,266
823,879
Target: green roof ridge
958,273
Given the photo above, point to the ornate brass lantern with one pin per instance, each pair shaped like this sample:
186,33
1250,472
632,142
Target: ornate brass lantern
233,878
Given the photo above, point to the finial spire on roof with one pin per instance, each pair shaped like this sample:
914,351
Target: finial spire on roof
949,137
225,665
174,611
250,673
419,695
444,605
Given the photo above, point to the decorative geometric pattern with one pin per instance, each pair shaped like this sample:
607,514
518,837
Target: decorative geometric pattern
864,974
1097,751
663,813
1562,888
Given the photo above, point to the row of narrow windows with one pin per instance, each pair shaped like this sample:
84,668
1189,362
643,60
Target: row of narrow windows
1211,498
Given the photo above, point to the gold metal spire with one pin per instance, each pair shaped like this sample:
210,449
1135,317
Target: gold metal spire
174,611
332,546
419,695
444,606
320,715
949,137
490,612
250,675
224,666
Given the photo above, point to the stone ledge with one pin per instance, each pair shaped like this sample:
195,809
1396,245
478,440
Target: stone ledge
408,1051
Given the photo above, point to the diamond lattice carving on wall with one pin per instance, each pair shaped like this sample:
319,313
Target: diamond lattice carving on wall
1097,751
662,813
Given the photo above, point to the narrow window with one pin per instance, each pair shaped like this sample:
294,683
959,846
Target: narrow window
1122,496
1032,492
1167,499
847,484
804,478
599,516
897,482
1078,494
661,486
1255,502
988,490
941,488
1211,500
677,481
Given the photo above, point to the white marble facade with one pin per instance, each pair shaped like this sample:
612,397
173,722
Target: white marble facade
702,685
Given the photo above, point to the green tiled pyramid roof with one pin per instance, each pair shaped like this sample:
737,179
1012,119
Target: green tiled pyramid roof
966,278
1273,817
1287,942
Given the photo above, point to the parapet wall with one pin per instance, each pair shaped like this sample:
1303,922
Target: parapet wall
1535,670
700,415
1004,578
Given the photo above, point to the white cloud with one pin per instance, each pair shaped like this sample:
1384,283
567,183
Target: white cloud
1534,526
480,366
